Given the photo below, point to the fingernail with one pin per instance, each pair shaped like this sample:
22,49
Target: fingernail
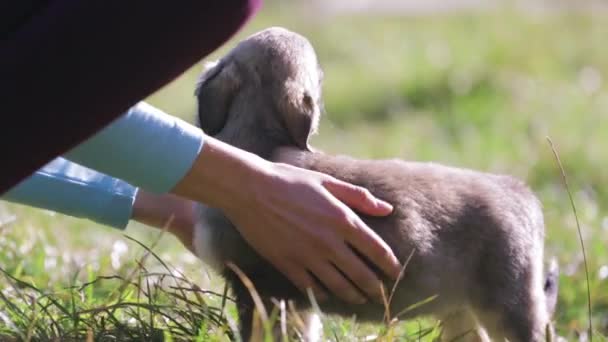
397,271
384,205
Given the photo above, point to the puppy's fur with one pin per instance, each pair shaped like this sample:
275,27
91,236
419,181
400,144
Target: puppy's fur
476,238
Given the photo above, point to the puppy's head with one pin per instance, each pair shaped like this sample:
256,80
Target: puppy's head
276,67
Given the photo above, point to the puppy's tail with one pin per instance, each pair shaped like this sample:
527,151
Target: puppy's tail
551,286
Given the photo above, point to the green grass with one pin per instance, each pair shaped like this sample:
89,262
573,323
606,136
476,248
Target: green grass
479,90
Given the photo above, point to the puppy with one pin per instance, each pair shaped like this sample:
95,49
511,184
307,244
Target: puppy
475,239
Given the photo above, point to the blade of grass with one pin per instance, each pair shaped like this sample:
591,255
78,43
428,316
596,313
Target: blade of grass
259,305
387,302
415,306
580,234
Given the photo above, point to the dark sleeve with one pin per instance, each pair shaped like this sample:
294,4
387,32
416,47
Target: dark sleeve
76,66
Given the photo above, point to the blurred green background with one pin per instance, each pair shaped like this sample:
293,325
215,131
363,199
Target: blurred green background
473,84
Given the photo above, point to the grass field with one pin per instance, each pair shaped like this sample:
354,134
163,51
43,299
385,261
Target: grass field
480,90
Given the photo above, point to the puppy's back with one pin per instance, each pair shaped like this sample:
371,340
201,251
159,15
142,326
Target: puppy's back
463,228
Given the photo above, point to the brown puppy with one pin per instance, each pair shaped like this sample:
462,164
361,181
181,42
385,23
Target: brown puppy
476,239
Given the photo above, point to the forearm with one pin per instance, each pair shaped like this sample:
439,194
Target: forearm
74,190
75,66
145,147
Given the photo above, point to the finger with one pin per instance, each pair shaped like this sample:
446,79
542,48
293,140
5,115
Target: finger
358,198
338,284
303,281
358,272
369,244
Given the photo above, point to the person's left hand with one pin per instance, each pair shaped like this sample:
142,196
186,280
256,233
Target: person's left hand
166,211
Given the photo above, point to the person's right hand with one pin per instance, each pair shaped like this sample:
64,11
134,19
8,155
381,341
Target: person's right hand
298,220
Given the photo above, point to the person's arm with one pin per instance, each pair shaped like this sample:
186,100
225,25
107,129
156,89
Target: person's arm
144,144
297,219
71,189
74,190
294,218
75,66
145,147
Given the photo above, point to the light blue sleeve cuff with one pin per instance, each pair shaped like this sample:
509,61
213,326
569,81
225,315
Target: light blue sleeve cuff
73,190
145,147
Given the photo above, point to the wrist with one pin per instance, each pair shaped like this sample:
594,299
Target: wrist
166,211
222,175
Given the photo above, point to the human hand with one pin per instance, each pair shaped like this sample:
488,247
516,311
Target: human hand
298,223
295,219
166,211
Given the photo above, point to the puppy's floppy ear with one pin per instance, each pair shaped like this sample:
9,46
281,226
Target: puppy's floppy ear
215,92
300,113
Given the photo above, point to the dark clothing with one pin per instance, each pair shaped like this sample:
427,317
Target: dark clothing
70,67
